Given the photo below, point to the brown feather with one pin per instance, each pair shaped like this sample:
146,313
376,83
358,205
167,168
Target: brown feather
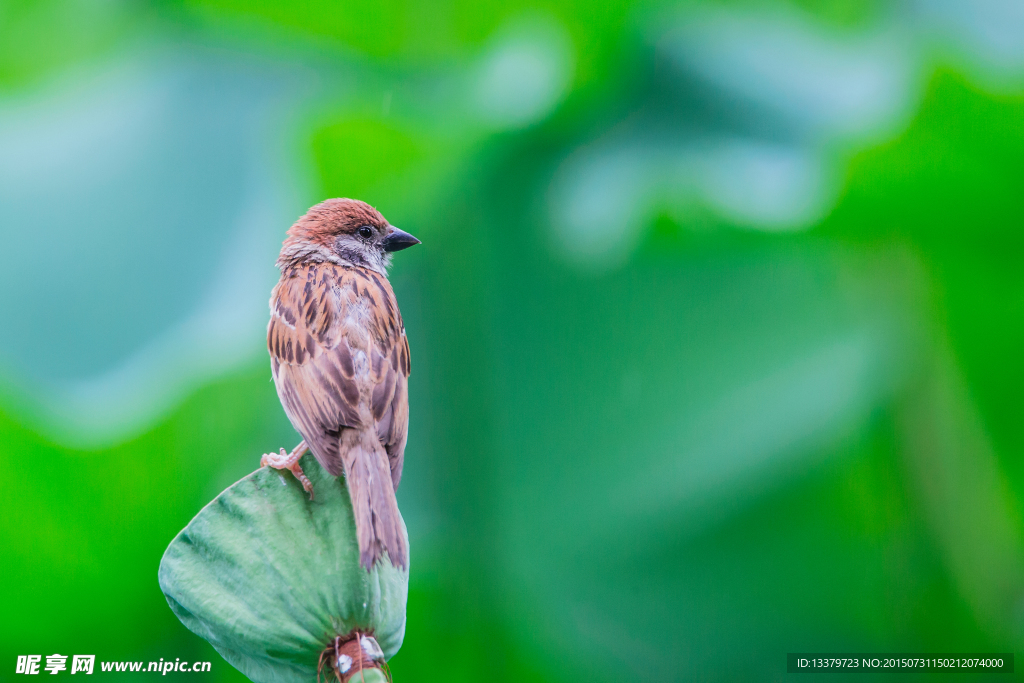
333,355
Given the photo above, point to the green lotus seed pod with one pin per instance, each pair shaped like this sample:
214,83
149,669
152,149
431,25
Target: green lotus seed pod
271,578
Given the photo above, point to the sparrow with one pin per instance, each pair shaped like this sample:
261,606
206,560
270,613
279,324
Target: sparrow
340,361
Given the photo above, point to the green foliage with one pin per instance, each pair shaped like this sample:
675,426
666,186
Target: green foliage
270,577
87,527
378,156
416,33
38,37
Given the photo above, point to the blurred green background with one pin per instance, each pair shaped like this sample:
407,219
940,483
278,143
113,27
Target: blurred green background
716,325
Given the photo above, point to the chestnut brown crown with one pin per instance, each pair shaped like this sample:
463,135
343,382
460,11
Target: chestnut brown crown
347,232
334,217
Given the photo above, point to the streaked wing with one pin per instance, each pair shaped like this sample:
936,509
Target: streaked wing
340,359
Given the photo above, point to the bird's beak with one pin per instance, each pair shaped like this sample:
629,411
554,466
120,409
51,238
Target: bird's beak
397,240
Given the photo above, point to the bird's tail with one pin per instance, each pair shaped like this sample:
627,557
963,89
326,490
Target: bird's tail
368,477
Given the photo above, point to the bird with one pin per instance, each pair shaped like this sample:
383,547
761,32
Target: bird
340,361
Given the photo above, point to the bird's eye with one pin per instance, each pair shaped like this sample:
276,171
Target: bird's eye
365,232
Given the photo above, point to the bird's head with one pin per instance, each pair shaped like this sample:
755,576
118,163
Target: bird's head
344,231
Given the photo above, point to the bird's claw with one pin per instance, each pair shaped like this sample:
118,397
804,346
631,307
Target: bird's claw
275,460
290,462
307,485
